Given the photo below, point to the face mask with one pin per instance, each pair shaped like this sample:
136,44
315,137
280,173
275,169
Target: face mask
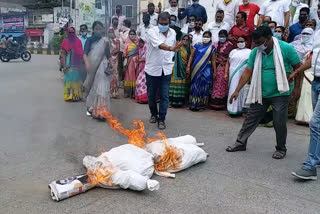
84,34
172,23
163,28
306,39
197,28
195,2
186,43
99,34
262,47
206,40
222,39
112,36
11,38
241,45
118,11
303,18
278,35
272,30
191,25
246,3
265,24
132,37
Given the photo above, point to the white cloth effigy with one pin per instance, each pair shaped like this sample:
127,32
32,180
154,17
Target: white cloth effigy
255,91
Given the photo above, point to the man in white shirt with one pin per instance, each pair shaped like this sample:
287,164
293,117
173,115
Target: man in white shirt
174,10
278,10
217,25
230,8
119,15
153,15
297,5
145,27
189,27
198,32
161,45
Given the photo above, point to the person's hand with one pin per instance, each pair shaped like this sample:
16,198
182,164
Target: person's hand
188,71
226,76
291,77
87,67
178,46
234,96
214,74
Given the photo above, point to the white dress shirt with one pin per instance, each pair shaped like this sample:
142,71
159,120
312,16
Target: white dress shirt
142,31
154,19
158,60
214,28
275,9
230,10
121,18
196,37
175,11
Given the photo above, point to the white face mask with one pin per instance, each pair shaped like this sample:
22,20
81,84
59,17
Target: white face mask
241,45
206,40
192,24
306,39
132,37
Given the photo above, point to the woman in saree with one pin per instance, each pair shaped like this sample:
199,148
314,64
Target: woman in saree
236,64
202,64
220,84
71,61
114,59
97,84
179,86
141,84
131,53
303,47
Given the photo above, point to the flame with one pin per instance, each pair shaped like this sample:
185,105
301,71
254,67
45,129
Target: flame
171,158
102,173
136,136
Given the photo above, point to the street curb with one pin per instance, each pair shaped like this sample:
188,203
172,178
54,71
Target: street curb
43,52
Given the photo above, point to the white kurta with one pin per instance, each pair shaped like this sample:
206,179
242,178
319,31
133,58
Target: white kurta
236,58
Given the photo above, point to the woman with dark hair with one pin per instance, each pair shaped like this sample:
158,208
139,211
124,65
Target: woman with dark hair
97,84
71,63
141,84
131,53
279,33
236,64
179,86
201,66
220,84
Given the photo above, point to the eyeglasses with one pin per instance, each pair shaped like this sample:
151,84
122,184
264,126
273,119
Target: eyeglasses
241,41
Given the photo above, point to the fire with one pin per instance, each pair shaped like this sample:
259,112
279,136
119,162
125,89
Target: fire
171,158
102,173
136,136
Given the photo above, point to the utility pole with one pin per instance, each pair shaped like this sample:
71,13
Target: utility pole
107,12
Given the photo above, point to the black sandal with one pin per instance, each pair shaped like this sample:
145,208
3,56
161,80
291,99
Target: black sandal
279,155
161,125
236,147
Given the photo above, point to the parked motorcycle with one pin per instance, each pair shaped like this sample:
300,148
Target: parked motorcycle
20,52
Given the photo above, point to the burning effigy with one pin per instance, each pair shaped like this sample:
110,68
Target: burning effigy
132,165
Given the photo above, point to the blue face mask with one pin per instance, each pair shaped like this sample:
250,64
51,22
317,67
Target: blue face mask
278,35
222,39
163,28
195,2
172,23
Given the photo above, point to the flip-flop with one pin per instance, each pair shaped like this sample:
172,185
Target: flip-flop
279,155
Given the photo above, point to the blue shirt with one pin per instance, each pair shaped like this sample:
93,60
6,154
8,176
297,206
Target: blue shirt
295,30
83,40
195,10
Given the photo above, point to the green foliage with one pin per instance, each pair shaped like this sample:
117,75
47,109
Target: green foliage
57,41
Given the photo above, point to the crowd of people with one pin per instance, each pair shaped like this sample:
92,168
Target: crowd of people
175,58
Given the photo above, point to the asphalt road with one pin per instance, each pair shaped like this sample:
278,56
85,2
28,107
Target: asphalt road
44,138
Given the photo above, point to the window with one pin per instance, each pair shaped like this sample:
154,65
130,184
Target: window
99,4
37,19
128,11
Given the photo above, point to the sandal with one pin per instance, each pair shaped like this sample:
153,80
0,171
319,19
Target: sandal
161,125
236,147
279,155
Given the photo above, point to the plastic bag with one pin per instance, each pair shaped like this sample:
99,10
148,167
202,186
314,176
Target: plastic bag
126,166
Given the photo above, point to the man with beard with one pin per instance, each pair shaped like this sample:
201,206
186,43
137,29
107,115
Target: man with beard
153,15
143,29
197,33
119,15
217,25
297,28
